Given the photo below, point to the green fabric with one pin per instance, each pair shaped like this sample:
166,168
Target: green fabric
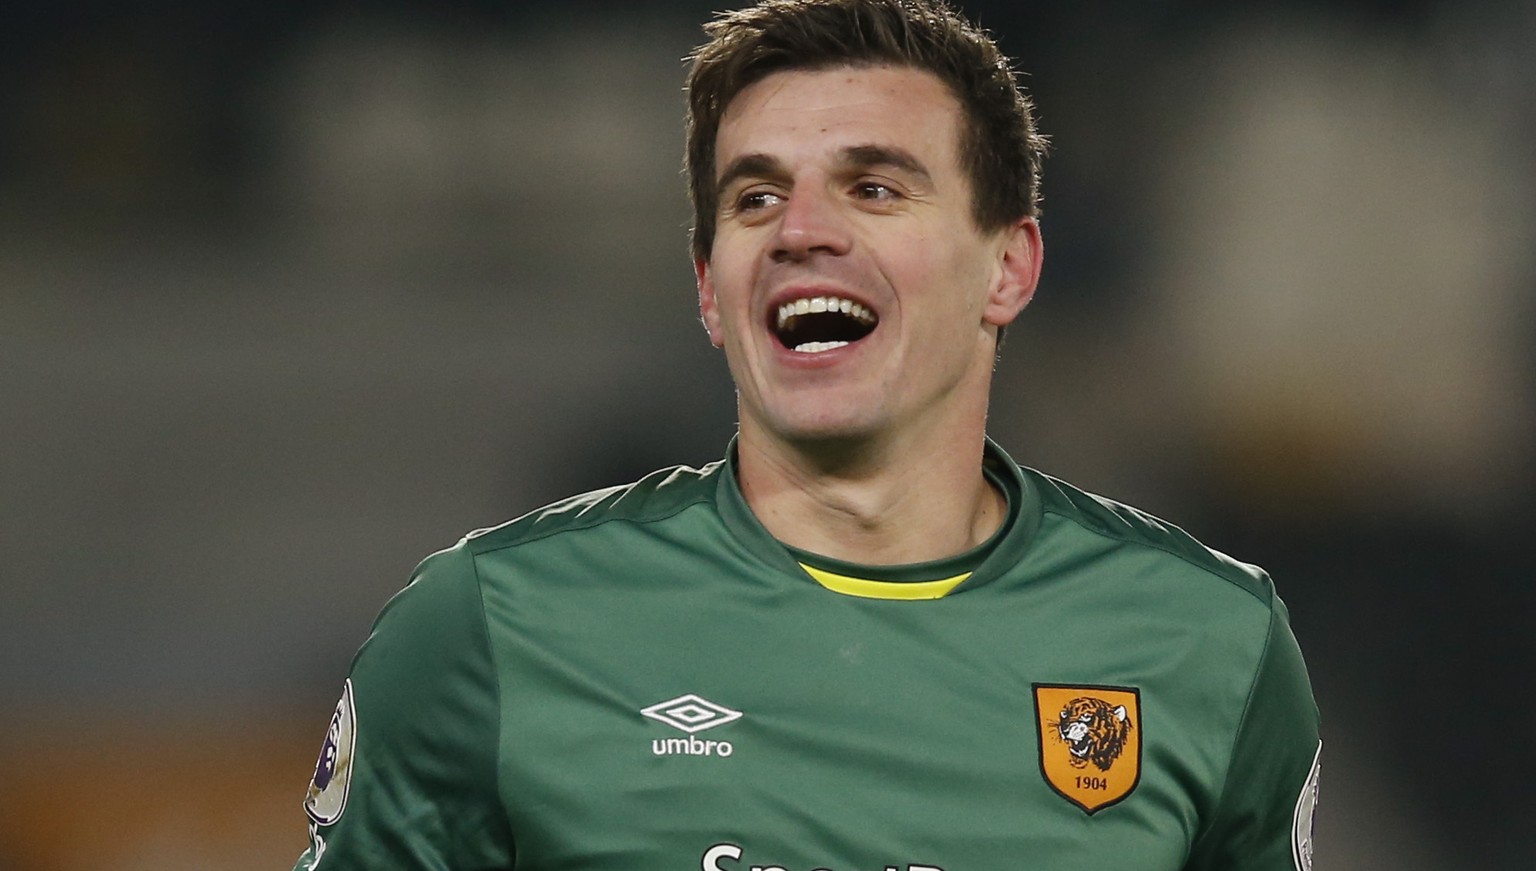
499,699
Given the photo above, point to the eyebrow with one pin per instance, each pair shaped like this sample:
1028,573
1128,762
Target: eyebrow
866,156
760,165
754,165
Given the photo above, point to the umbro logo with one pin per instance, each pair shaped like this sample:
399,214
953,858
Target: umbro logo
690,713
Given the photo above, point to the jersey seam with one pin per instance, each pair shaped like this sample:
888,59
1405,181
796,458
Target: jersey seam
530,538
1242,722
490,655
1267,601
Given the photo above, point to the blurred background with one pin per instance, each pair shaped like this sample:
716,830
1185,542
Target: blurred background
293,294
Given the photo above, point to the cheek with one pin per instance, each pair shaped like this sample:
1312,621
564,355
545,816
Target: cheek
966,271
736,312
733,278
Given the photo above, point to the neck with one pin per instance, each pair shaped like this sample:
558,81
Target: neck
872,501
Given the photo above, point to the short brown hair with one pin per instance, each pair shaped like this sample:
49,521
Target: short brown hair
1000,149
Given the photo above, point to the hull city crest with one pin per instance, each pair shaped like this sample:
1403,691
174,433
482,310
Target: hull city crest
1089,742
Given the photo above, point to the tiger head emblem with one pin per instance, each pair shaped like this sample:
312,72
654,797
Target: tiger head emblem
1094,731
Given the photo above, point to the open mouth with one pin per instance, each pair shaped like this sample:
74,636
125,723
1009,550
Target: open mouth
1076,736
821,323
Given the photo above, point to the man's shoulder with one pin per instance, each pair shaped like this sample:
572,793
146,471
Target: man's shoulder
659,496
1129,527
455,572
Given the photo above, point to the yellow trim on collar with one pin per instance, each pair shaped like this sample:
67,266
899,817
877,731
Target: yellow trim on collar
867,589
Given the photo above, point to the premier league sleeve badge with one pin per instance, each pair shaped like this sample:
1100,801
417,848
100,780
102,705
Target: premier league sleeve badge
328,787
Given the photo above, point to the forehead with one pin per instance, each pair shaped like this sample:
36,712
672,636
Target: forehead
808,113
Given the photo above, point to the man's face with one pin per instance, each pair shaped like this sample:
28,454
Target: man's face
848,283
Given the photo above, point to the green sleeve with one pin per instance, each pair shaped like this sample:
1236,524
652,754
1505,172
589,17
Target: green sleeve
1261,822
416,785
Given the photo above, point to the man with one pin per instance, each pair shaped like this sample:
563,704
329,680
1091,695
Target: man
866,639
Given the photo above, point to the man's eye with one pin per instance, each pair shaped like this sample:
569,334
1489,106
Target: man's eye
754,200
873,190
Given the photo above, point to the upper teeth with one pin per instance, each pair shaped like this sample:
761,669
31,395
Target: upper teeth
817,304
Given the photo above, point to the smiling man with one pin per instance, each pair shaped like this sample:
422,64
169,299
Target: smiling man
861,430
866,639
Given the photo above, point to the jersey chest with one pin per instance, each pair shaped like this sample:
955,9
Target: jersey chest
718,719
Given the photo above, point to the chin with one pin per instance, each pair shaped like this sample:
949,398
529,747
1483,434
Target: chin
826,432
809,419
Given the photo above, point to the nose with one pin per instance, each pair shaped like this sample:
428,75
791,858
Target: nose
811,223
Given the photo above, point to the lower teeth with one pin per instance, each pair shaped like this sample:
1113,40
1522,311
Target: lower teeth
816,347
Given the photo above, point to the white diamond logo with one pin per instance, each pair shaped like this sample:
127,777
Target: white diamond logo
691,713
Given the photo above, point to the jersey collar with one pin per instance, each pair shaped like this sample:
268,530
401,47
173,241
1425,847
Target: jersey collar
1007,548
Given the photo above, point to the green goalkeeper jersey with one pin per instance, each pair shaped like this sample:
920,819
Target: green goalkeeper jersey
643,679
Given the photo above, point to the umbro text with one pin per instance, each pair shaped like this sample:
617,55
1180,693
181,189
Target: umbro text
690,746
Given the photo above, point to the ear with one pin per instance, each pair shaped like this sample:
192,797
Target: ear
709,309
1018,273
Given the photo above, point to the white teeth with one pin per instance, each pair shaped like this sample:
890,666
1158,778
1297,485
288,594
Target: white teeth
823,304
817,347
